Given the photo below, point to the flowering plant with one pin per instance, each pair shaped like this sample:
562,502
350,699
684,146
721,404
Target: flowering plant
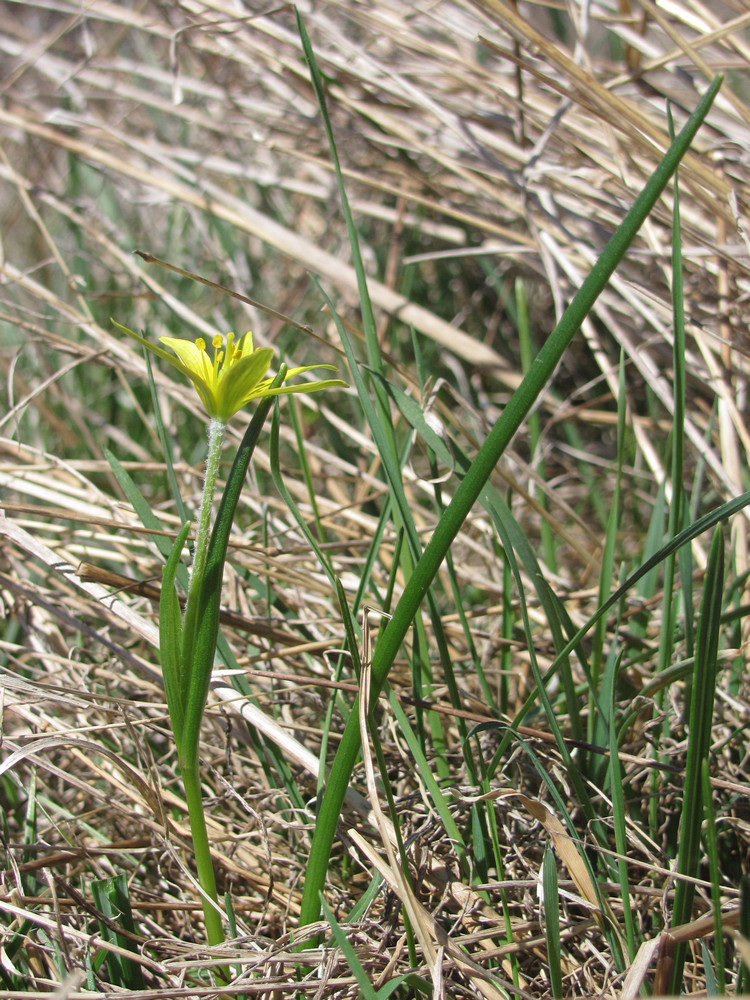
233,378
226,381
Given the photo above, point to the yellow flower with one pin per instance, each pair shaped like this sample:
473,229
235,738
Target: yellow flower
233,376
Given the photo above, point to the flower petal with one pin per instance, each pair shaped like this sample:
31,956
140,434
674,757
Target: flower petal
284,390
308,368
237,385
158,351
194,358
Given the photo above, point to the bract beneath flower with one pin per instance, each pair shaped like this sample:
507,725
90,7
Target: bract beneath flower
233,375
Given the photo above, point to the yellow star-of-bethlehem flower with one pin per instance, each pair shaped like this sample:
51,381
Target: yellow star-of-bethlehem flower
234,375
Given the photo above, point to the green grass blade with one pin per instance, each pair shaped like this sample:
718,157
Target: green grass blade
366,989
294,405
712,853
678,356
513,537
147,517
425,773
743,972
365,900
382,434
702,695
619,815
165,440
669,610
610,927
709,520
374,358
113,902
711,981
528,350
286,496
552,921
597,729
382,426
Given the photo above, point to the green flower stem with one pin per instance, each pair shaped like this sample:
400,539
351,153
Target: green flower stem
187,739
208,603
469,490
216,431
202,850
199,636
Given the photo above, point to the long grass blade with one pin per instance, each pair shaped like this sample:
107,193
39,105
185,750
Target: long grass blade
712,853
552,921
702,695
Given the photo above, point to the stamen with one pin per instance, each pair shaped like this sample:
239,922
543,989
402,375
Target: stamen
200,343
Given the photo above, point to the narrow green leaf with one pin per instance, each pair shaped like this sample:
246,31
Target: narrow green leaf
708,970
368,319
204,649
286,496
702,695
712,853
425,773
619,820
513,537
170,639
366,989
113,902
743,972
552,921
697,528
597,732
146,515
166,443
527,351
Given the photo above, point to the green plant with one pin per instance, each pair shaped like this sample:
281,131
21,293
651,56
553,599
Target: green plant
225,383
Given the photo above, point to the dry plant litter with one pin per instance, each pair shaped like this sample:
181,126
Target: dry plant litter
489,150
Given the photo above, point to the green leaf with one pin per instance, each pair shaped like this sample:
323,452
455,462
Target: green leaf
552,921
366,989
170,639
702,696
113,902
147,517
209,601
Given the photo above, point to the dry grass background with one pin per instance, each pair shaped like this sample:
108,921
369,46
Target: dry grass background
481,142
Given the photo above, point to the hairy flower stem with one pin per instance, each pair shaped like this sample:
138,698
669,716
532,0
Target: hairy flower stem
216,431
187,741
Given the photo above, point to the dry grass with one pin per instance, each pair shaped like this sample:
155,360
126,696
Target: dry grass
480,144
